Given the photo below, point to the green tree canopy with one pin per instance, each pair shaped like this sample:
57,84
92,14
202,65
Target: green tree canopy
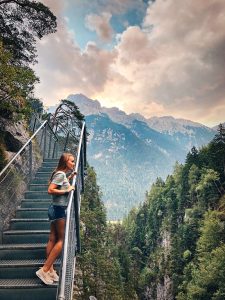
21,23
16,83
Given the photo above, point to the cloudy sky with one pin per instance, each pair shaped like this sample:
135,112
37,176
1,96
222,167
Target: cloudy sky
163,57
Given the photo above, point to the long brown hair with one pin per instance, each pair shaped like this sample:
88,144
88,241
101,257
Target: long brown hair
61,164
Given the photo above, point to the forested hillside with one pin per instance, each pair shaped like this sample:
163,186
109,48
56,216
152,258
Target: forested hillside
129,151
171,247
175,241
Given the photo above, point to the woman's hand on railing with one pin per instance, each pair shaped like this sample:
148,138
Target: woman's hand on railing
70,188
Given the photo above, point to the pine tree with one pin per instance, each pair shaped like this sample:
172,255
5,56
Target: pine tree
220,136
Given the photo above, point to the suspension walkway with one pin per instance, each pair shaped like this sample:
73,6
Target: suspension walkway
22,250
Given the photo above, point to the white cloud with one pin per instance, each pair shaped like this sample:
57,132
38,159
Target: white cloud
172,64
176,61
64,69
100,24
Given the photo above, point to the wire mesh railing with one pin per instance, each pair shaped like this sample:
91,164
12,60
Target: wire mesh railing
49,139
72,230
17,174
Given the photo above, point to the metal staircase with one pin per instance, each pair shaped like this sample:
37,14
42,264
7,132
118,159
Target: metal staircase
22,250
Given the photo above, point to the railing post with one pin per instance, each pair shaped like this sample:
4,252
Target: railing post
55,150
35,119
67,137
41,140
85,146
49,146
55,143
82,168
30,161
45,141
77,218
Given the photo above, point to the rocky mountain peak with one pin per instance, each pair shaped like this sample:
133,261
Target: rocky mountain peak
171,125
165,124
86,105
120,143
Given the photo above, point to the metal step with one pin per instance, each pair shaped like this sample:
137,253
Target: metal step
49,165
31,224
10,269
42,175
51,160
34,213
48,169
25,236
35,203
23,251
38,187
26,289
37,195
40,180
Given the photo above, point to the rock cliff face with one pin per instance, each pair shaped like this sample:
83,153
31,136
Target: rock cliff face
161,289
165,288
12,185
13,136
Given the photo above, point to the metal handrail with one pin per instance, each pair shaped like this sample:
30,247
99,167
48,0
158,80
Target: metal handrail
61,287
24,146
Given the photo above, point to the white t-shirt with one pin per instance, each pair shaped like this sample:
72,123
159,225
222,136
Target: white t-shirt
60,179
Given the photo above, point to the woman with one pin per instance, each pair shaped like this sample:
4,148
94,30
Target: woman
59,188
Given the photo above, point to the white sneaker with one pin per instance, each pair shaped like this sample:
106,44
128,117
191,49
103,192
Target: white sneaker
44,276
54,276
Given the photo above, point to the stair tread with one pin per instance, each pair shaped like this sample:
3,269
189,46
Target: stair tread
29,220
24,262
37,200
42,172
35,184
29,191
25,231
43,184
23,246
31,209
24,283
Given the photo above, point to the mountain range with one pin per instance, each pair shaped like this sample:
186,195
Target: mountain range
129,151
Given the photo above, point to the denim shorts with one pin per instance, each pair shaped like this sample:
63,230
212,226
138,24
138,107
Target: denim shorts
56,212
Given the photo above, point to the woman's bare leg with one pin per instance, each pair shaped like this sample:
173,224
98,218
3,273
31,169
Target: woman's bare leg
56,250
52,241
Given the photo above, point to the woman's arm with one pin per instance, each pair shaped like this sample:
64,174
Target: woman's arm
53,189
72,175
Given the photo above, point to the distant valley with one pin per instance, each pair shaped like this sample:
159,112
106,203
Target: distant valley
129,152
